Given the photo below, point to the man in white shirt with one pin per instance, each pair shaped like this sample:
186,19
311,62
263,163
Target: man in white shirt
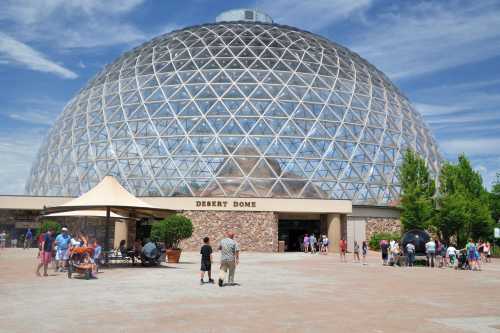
410,254
430,251
451,252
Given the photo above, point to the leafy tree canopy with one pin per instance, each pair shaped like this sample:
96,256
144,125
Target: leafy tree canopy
417,191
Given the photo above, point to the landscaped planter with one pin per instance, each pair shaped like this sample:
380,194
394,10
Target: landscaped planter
173,255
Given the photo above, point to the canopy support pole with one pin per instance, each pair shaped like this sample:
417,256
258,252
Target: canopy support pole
106,235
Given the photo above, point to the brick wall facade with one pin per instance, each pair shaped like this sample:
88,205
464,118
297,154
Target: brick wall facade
255,231
382,224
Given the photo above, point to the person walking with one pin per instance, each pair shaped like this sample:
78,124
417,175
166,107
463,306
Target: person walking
206,261
229,258
325,243
451,252
430,251
355,252
46,247
410,254
487,252
312,243
306,243
364,249
3,239
471,250
13,239
62,243
343,250
28,239
442,255
384,249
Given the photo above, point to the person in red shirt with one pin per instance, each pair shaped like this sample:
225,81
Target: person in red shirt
343,250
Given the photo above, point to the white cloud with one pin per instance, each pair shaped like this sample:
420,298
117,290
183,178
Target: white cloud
412,38
311,14
72,24
471,147
14,51
18,149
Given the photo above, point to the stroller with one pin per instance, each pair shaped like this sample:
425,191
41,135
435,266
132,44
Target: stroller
150,255
80,262
463,263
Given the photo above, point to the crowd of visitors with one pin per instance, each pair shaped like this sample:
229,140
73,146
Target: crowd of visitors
229,260
314,245
436,254
59,249
24,240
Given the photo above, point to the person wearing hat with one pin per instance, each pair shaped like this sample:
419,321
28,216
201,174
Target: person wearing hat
62,253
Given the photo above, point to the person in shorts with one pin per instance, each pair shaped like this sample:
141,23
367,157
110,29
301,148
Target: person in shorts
364,249
3,238
46,247
28,238
306,243
62,254
343,250
206,261
355,252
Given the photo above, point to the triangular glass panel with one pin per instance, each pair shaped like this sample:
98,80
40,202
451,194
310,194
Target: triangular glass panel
231,142
293,170
200,142
246,190
294,187
262,128
217,123
307,150
215,148
262,142
290,129
262,186
278,191
230,169
277,149
232,128
311,191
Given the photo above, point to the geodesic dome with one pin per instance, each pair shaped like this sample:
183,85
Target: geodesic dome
237,109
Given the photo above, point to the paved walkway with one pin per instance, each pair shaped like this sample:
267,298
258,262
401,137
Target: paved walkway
278,293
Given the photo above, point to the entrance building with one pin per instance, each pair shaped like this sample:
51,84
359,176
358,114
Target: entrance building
259,223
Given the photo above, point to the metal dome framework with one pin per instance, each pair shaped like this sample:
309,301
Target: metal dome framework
236,109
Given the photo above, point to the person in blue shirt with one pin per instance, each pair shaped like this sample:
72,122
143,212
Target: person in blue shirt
62,253
97,253
46,247
28,239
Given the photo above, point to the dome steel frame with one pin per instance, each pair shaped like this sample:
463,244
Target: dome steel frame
237,109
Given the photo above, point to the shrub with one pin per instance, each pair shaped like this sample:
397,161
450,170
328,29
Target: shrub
172,230
49,224
374,242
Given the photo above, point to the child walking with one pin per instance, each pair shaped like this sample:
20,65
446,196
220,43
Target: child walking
206,261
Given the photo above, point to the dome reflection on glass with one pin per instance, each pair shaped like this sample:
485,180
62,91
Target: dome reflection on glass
237,109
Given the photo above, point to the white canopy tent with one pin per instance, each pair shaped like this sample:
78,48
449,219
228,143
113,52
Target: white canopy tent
111,198
86,213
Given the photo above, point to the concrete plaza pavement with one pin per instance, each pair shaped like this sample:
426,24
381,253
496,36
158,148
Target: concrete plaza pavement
291,292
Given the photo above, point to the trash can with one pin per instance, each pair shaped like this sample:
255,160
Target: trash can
281,246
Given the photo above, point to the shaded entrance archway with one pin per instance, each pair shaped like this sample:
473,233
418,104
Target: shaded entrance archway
292,232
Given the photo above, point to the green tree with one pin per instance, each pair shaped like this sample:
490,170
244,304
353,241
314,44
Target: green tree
417,192
47,225
495,199
172,230
463,209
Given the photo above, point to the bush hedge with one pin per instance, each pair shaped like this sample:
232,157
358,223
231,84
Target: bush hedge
49,224
172,230
374,242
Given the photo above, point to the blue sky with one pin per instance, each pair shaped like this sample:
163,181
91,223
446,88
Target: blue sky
444,55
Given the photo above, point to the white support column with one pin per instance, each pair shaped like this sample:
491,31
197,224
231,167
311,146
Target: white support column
333,227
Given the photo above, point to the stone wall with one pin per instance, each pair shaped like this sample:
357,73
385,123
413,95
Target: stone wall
255,231
382,224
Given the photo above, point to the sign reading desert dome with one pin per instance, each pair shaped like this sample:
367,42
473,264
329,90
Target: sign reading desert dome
226,203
